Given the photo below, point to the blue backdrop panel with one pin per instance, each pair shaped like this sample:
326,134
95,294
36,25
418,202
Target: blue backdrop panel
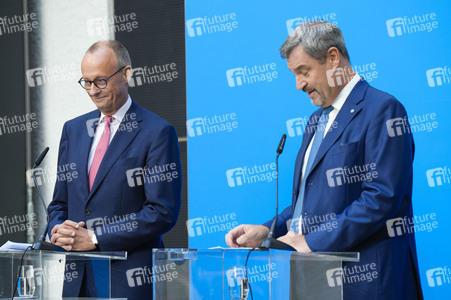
242,98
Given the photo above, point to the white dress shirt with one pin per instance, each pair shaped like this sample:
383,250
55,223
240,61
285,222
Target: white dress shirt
114,125
338,103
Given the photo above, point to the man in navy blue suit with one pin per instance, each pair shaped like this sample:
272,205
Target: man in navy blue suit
353,173
128,190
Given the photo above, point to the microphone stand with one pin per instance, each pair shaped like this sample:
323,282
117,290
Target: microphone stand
41,244
270,242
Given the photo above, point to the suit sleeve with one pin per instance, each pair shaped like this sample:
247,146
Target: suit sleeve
57,209
381,198
162,201
282,220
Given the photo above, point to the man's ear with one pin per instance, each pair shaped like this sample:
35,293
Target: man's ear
128,73
333,57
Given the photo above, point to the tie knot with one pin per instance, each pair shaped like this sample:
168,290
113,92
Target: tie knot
327,110
108,120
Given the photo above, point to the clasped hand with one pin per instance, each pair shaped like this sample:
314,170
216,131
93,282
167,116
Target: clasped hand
74,236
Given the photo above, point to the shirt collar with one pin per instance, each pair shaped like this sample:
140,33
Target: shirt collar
344,93
120,113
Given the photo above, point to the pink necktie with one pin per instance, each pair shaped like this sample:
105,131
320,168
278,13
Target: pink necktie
100,151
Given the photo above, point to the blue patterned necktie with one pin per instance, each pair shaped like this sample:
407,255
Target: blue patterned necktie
313,151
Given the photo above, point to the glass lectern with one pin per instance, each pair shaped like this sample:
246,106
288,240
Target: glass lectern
43,272
247,274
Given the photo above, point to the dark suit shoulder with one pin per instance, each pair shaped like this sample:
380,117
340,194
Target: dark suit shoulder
150,116
151,121
378,98
83,118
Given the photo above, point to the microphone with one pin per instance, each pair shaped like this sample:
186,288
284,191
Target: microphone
41,244
270,242
40,158
281,146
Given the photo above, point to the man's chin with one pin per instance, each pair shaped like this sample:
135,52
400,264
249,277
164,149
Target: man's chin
318,102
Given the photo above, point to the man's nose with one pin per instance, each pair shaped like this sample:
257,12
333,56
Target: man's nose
300,83
93,90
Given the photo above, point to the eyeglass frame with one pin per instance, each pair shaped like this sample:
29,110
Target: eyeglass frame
94,81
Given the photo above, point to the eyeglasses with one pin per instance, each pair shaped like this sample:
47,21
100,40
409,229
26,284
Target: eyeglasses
101,83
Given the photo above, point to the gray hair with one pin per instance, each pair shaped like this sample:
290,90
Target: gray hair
121,53
316,38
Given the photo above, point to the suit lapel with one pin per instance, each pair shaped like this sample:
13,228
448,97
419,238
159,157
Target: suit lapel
84,145
347,112
122,139
308,135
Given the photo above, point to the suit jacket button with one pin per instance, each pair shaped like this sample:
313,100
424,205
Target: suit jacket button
87,212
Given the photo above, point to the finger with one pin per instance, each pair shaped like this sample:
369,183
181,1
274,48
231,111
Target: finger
67,247
65,241
228,240
81,224
284,239
55,229
64,246
54,238
71,223
232,236
242,240
64,231
231,241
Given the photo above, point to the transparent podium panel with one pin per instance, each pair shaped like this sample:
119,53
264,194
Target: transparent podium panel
247,274
42,274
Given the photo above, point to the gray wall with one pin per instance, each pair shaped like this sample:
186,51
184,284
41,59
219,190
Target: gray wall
12,145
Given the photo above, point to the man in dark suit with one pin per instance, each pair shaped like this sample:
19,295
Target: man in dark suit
128,190
353,173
